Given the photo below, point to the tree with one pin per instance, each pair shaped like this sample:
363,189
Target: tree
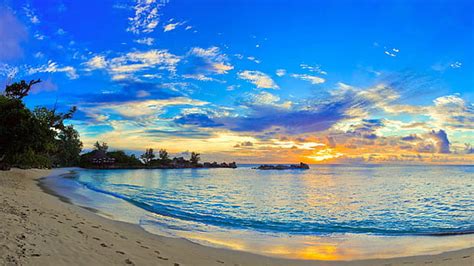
163,154
195,158
69,147
19,90
35,138
101,147
148,156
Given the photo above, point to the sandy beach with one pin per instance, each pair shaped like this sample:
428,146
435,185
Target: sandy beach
37,228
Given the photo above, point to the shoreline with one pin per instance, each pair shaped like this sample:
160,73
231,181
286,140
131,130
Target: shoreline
78,236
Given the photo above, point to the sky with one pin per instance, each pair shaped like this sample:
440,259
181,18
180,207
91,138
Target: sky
254,81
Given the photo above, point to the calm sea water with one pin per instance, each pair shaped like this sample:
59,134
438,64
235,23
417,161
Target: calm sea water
325,200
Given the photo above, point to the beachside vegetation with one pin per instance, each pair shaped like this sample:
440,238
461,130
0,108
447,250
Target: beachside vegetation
101,158
35,138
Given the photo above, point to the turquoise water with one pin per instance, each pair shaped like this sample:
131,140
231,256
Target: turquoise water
325,200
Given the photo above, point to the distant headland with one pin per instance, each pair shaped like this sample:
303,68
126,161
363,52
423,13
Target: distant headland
301,166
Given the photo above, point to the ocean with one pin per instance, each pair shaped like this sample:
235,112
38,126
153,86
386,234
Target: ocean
340,206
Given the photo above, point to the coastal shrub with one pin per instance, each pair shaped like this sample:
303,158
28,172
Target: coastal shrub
35,138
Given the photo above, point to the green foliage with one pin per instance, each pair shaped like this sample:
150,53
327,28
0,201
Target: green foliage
36,138
148,156
68,147
121,158
19,90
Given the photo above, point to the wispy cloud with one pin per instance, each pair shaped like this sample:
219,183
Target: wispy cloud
280,72
147,16
53,67
31,14
172,26
203,62
128,65
8,71
315,69
392,52
312,79
260,79
96,62
147,41
134,109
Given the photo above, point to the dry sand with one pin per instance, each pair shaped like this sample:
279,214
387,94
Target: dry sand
37,228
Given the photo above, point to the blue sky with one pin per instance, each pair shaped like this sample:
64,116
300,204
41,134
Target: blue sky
318,81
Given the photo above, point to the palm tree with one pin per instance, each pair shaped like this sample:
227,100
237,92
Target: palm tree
195,158
163,154
148,156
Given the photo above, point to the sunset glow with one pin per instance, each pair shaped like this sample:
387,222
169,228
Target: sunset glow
275,88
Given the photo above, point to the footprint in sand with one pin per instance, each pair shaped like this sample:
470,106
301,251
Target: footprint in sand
96,238
127,261
104,245
162,258
120,252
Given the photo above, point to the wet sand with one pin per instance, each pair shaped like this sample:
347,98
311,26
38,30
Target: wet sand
37,228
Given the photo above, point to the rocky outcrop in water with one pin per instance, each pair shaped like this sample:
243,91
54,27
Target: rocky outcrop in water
301,166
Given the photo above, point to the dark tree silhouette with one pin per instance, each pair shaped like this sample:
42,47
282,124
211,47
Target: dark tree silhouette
101,147
37,138
163,154
195,158
19,90
148,156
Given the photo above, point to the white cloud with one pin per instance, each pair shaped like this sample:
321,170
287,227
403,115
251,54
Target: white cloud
147,41
265,99
39,36
260,79
146,16
30,13
96,62
52,67
125,66
8,71
200,77
456,64
312,79
253,59
453,112
315,69
280,72
134,109
39,55
392,52
61,31
172,26
215,62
